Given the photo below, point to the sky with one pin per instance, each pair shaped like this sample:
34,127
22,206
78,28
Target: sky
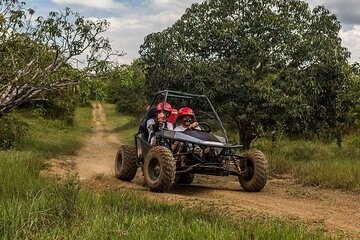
131,20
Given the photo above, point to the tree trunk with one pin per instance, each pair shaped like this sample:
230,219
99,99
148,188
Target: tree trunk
338,137
246,133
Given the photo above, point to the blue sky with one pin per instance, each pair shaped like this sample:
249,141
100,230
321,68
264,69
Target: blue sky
132,20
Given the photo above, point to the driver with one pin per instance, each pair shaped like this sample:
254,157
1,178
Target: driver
186,117
163,111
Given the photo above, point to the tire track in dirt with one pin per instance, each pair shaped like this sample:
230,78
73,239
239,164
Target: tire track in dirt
338,211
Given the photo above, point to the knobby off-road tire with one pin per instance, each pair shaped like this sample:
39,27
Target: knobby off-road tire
256,177
159,169
125,163
185,178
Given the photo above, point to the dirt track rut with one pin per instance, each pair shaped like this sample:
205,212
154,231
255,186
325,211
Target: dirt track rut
338,211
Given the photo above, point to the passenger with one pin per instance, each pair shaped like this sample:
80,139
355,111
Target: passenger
163,111
186,117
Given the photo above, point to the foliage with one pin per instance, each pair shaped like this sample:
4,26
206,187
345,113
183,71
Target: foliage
126,89
355,94
267,65
36,52
60,104
90,88
12,131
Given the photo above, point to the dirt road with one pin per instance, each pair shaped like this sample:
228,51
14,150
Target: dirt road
338,211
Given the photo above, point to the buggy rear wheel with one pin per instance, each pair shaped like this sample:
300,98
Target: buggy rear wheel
256,171
125,163
159,169
185,178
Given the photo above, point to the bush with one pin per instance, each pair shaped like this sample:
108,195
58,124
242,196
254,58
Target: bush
90,89
12,131
58,105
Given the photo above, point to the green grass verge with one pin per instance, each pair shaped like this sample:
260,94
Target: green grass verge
63,211
19,168
124,124
316,163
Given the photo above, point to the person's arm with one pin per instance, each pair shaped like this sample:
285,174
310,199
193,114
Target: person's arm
194,125
152,125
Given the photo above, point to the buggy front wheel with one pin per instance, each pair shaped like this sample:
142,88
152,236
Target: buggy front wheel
255,169
159,169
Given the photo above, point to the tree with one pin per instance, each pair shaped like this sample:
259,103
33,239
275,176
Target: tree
126,88
37,53
266,64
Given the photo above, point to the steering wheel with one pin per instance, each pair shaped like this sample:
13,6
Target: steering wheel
205,127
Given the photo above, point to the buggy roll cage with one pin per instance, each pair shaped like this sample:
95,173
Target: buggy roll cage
145,146
176,94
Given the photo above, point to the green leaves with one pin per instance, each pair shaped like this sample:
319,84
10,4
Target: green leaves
36,53
126,88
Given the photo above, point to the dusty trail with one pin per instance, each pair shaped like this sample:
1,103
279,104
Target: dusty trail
339,212
97,157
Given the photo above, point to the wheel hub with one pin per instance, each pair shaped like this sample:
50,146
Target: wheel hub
157,170
154,169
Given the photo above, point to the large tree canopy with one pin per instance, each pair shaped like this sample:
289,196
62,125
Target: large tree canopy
36,52
266,64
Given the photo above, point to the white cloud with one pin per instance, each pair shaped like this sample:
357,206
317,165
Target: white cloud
121,24
128,30
348,14
350,39
108,5
160,2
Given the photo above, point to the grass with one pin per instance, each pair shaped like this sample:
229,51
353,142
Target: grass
34,207
25,196
19,168
316,163
66,212
124,124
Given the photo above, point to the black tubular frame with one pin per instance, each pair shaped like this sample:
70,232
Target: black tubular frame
177,94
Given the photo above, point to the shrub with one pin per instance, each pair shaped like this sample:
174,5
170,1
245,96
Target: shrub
12,131
58,105
90,89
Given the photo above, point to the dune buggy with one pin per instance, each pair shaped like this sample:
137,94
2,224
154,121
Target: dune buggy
201,151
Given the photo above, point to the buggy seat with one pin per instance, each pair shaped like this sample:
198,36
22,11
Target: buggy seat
151,113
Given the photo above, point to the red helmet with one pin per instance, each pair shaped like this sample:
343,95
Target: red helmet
173,116
185,111
167,107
